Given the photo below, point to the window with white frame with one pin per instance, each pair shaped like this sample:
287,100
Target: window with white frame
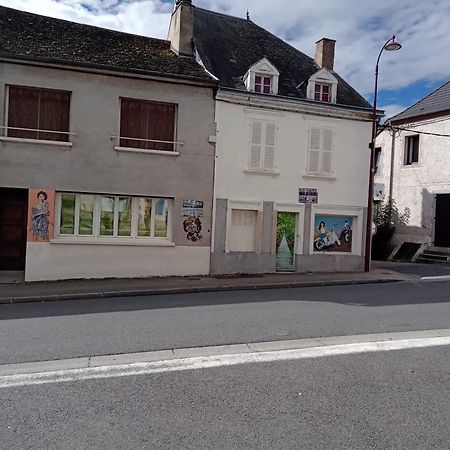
113,216
262,145
322,92
263,84
242,233
320,150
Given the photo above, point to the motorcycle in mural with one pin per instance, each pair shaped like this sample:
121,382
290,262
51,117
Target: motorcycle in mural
338,237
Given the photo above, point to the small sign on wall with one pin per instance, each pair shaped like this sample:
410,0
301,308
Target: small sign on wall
308,195
192,208
41,215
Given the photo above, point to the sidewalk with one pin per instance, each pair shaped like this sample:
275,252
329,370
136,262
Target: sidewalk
88,289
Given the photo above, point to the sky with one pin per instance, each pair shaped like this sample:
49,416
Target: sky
360,28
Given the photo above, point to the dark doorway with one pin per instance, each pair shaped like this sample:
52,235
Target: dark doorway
13,228
442,221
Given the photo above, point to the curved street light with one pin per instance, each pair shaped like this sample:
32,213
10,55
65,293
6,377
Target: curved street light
390,46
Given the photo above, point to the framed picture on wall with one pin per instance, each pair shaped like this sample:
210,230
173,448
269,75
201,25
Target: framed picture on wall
333,233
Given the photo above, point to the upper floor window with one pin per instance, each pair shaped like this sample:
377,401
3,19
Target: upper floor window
322,92
147,125
322,87
377,162
35,113
320,151
262,77
262,145
412,150
263,84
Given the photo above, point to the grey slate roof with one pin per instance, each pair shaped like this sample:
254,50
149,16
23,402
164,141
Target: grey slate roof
33,37
436,102
229,46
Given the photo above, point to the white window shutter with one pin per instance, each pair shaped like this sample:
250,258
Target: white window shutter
269,147
327,150
256,129
314,150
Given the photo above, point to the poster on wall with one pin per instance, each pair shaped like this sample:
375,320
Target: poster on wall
192,208
41,215
308,195
333,233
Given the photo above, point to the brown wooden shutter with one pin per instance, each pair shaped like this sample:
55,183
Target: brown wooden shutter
54,114
23,112
161,125
150,121
133,123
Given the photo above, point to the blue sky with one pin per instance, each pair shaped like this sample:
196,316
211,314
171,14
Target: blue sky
360,28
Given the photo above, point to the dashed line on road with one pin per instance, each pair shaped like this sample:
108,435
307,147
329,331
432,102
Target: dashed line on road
80,369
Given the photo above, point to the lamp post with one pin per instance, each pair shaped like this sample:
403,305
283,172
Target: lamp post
390,45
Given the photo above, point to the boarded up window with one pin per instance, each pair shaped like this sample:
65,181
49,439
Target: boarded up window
150,125
243,230
38,113
320,150
262,145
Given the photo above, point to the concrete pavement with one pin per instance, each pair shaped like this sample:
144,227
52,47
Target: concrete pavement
108,288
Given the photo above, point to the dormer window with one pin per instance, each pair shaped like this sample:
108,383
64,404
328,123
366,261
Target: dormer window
322,87
322,92
262,78
263,84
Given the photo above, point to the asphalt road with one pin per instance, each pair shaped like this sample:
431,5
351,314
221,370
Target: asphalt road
46,331
397,399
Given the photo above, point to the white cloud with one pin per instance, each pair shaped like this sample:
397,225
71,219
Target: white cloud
360,28
392,110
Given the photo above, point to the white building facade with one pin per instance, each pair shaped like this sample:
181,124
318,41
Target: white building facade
292,157
413,159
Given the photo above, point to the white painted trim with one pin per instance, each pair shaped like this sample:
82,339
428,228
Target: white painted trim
319,176
143,242
272,173
245,204
278,103
143,150
36,141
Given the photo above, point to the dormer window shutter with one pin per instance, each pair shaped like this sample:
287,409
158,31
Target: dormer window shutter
314,150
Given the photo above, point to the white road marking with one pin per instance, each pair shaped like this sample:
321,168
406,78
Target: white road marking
436,278
221,360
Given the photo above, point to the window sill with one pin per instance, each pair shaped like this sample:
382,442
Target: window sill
116,241
411,166
143,150
36,141
272,173
319,176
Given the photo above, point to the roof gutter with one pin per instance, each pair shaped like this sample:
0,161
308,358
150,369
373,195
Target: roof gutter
284,103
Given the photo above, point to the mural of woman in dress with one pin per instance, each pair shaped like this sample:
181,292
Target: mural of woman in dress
40,217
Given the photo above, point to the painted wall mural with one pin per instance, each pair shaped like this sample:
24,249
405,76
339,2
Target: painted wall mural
333,233
285,240
41,215
193,228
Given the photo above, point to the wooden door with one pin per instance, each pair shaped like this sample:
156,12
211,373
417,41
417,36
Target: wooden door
13,228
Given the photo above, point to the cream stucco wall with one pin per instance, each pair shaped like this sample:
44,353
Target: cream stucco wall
350,157
415,185
53,261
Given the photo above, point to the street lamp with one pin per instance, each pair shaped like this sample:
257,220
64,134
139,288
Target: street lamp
390,45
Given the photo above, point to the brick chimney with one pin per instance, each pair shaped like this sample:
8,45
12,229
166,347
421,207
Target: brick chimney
181,29
325,53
